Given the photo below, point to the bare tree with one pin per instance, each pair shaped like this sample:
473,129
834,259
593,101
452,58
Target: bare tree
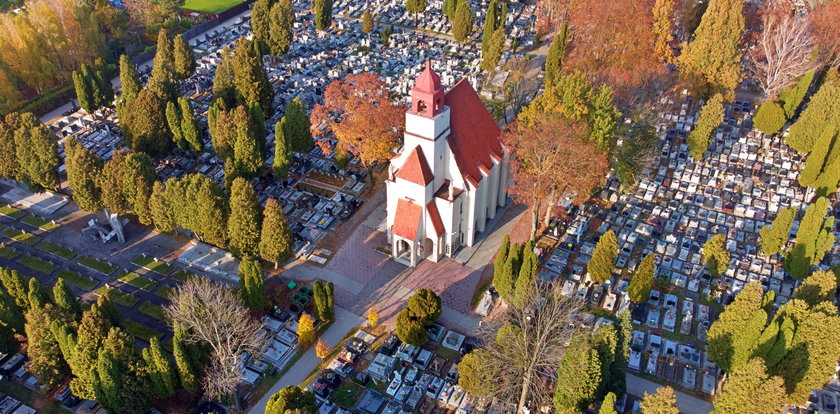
214,314
525,345
783,53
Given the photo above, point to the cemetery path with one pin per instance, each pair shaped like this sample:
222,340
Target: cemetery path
689,404
297,373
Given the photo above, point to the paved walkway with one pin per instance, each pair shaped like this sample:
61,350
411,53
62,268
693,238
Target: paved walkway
344,321
689,404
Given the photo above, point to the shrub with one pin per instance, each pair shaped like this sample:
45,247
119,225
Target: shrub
769,118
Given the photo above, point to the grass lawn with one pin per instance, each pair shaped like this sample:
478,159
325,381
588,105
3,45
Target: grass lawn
57,250
36,221
76,279
150,263
152,310
141,331
136,280
182,275
164,292
447,353
21,236
10,211
37,264
31,398
209,6
347,394
118,296
7,252
96,264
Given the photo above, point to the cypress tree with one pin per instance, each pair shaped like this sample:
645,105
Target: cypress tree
275,238
282,152
260,24
734,336
92,332
131,393
608,406
329,290
83,170
46,361
776,235
184,64
144,124
813,239
605,341
527,278
449,8
8,161
223,85
155,378
822,110
173,120
291,399
711,115
319,297
817,288
252,282
792,97
769,117
220,121
109,310
624,332
281,24
248,158
16,286
462,27
663,401
84,92
36,149
494,51
38,294
716,256
249,77
505,280
11,316
554,59
65,299
817,159
190,133
109,381
711,62
323,14
162,80
186,369
245,219
129,79
601,264
137,165
642,281
160,210
103,91
298,131
111,183
367,22
578,376
163,367
750,390
489,26
663,11
829,179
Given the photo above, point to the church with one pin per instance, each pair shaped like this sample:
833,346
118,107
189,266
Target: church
452,175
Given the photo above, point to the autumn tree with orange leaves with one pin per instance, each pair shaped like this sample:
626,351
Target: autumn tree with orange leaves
553,157
358,111
827,32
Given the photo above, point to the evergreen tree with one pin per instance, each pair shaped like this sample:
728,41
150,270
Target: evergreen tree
46,361
711,62
792,97
769,118
642,281
11,316
505,280
462,26
527,278
664,401
578,376
92,332
282,152
129,79
367,22
275,238
494,52
160,210
829,180
84,91
245,219
818,158
490,26
618,373
711,115
65,299
499,266
38,294
16,286
663,11
260,24
733,337
749,389
162,80
190,133
476,374
162,366
813,240
223,85
144,124
248,156
554,59
184,58
253,283
822,110
319,296
186,368
601,264
605,341
111,183
37,154
291,399
298,126
109,381
103,91
449,8
608,406
173,120
109,310
83,171
306,329
716,256
281,26
8,161
329,290
130,393
323,14
776,235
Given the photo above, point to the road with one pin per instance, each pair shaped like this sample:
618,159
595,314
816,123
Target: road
689,404
344,321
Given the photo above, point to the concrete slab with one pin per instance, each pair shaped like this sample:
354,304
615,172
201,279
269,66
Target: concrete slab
43,204
211,260
377,218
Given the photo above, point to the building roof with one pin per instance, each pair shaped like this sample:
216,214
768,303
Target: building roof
475,138
434,215
407,219
428,81
415,168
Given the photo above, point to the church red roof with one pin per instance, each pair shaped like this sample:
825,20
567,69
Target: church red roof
434,215
474,135
407,219
415,168
428,81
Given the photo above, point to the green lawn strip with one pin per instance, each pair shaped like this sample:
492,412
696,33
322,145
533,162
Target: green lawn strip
7,252
150,263
155,311
181,275
164,292
347,394
10,211
95,264
37,264
42,224
136,280
118,296
210,6
77,279
57,250
141,331
22,236
31,398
